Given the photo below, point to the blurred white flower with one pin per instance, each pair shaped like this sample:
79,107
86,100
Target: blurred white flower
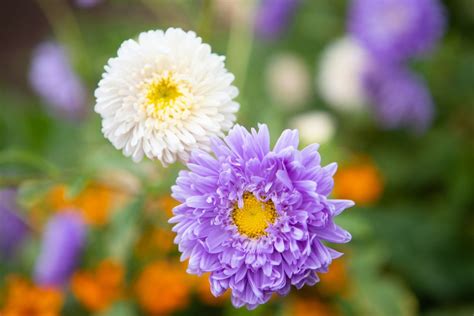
165,95
314,127
235,11
120,179
288,80
341,69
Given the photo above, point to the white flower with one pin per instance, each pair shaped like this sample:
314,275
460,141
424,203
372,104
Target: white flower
165,95
230,12
288,81
341,69
314,127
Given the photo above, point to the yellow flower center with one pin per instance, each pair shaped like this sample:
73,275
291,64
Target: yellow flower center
162,94
167,98
254,217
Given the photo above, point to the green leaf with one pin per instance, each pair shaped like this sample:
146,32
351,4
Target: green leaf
122,308
76,186
355,223
385,297
123,230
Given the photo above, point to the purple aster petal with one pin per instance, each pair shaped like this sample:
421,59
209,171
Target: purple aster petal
62,244
13,230
399,98
291,250
273,17
394,30
53,78
289,138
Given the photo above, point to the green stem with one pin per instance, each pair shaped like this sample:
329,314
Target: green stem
239,48
204,24
151,5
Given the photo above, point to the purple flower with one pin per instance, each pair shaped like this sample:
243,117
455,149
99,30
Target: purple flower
13,229
52,77
257,218
87,3
394,30
62,244
273,17
399,98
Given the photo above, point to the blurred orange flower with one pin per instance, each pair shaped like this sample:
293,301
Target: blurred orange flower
310,306
25,299
160,208
95,202
98,289
157,240
163,287
335,281
167,203
360,182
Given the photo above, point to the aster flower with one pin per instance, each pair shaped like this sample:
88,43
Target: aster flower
360,181
62,244
288,80
163,275
53,78
98,289
20,297
202,289
341,69
257,218
234,12
399,98
165,95
13,230
273,17
95,203
87,3
396,29
310,306
314,126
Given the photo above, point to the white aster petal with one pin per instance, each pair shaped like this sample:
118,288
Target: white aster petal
340,75
314,127
164,95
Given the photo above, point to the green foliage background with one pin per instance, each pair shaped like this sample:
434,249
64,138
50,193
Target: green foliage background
412,252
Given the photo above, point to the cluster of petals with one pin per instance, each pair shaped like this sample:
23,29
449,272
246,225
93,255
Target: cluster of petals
256,219
395,30
292,251
164,95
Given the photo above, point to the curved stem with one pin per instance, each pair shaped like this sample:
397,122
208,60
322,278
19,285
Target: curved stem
29,159
240,45
204,23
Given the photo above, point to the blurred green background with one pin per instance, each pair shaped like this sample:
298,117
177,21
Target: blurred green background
412,251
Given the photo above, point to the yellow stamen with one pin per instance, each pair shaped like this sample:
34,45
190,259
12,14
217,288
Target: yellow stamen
162,94
254,217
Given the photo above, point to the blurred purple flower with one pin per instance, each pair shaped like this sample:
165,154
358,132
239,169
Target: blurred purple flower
13,229
87,3
393,30
52,77
62,244
273,17
399,98
257,218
